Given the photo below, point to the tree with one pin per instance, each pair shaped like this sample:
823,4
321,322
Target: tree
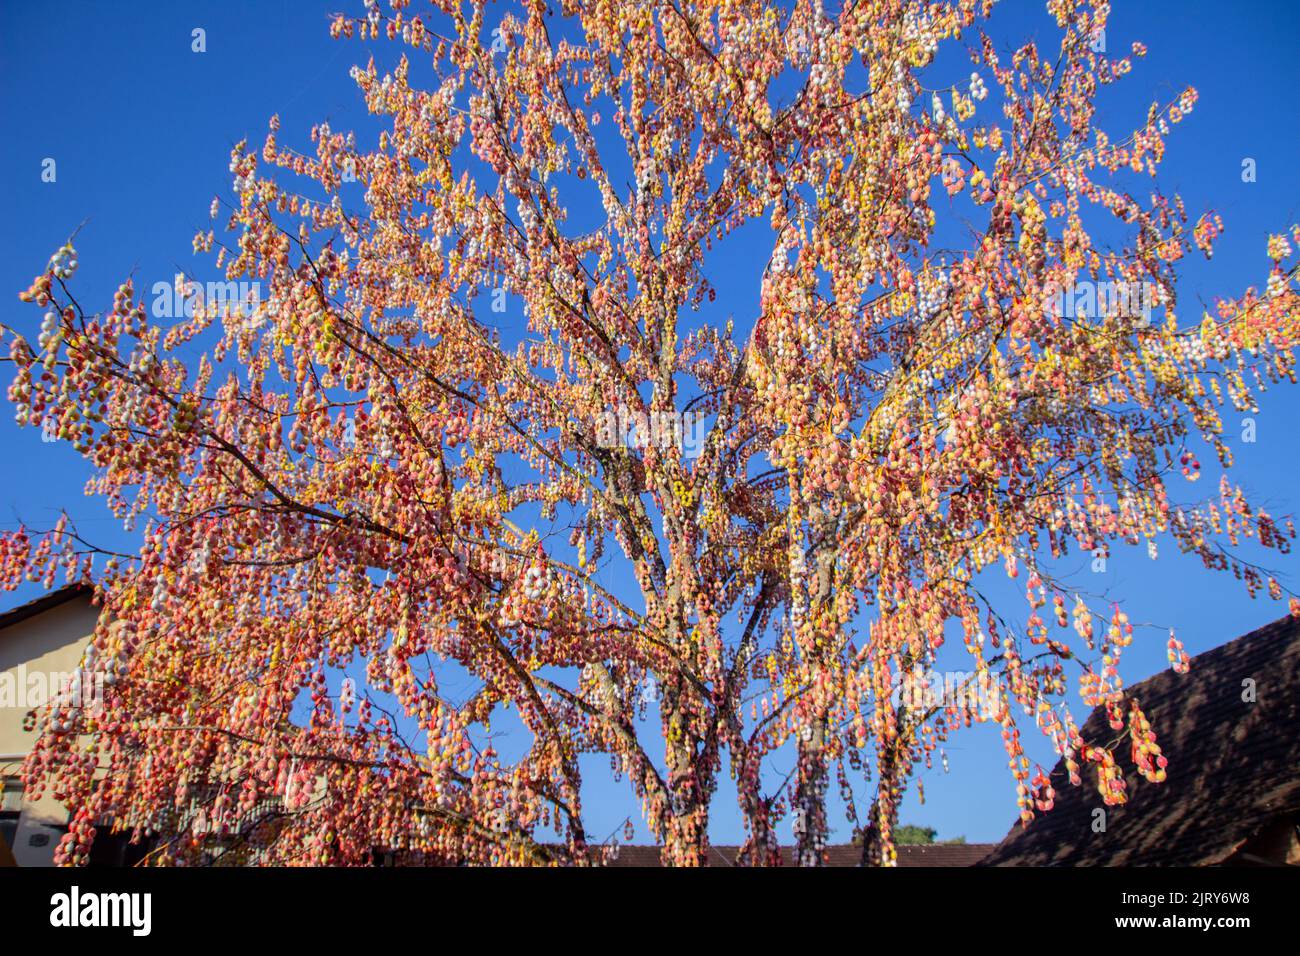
369,482
910,834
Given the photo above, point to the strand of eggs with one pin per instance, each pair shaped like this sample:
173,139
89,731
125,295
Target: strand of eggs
936,106
241,181
49,329
64,262
534,583
932,294
918,29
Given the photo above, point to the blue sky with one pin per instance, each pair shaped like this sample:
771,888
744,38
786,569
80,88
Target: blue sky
141,128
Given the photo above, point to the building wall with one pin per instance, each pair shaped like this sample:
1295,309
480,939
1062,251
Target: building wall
1277,844
32,652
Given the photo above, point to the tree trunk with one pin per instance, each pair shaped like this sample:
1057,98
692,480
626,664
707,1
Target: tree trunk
686,842
810,797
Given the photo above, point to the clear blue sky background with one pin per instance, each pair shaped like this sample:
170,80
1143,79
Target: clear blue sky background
141,129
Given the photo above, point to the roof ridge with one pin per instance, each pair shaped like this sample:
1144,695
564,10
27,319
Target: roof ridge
44,602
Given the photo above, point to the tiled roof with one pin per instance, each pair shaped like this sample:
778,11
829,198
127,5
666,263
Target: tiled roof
935,854
43,603
1234,766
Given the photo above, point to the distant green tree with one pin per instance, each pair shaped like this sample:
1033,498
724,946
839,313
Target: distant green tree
910,835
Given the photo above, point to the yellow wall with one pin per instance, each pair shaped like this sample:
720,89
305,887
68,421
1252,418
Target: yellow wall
45,644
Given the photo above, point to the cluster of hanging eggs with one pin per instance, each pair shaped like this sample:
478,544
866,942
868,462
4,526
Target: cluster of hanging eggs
531,587
64,262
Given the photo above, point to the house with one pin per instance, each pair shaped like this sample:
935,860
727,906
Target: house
41,647
838,855
41,643
1230,729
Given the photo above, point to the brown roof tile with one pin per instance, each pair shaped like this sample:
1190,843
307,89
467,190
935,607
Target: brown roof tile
1234,766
